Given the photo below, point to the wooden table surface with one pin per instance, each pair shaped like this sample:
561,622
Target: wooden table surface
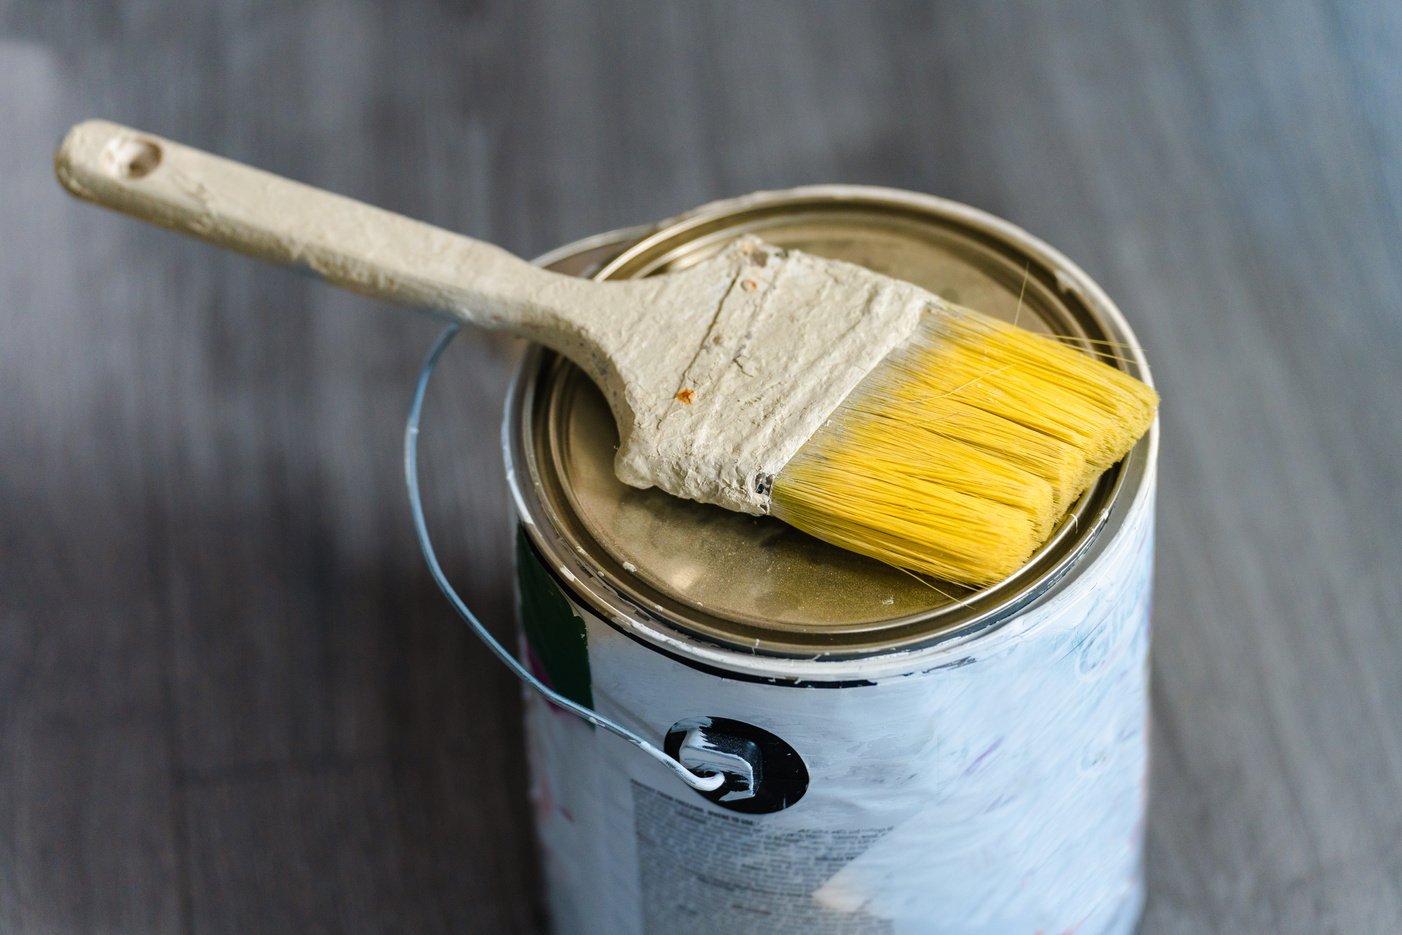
231,699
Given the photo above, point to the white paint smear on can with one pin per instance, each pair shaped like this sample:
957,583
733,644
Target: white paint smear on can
1001,791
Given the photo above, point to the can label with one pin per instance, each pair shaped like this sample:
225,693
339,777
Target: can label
998,789
731,873
555,643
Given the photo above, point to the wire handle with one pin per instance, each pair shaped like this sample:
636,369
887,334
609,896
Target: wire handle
707,783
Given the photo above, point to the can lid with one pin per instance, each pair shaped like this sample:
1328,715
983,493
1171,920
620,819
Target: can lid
753,581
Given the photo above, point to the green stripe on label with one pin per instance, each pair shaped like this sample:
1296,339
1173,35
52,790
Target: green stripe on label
557,646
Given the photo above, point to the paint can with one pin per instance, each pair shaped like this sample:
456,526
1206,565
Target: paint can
900,757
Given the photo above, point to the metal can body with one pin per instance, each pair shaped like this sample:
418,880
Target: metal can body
999,789
985,778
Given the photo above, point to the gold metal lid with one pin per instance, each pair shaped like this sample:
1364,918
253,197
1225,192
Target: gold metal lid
754,582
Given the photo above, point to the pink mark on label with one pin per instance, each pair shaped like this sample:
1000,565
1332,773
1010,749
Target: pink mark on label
983,756
537,668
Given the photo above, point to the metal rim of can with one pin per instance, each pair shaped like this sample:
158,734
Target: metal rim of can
938,634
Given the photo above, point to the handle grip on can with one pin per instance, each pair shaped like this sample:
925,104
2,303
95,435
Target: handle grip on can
707,782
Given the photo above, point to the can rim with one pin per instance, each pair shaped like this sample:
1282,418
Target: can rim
673,635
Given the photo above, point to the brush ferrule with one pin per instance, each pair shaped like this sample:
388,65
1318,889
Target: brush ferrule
789,338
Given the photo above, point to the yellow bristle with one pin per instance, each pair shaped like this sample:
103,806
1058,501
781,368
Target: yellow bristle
1062,466
957,455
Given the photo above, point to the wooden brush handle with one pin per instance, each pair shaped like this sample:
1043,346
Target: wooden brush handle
350,244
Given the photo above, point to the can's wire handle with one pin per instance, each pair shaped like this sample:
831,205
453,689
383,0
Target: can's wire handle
708,783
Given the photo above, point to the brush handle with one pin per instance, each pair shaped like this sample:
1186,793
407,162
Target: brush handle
350,244
716,373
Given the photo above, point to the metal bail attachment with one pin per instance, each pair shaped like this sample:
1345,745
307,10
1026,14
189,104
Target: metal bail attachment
762,772
704,750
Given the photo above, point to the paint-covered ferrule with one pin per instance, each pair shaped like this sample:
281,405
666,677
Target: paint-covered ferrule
745,384
901,757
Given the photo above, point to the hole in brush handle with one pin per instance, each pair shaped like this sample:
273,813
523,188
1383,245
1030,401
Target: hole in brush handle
131,157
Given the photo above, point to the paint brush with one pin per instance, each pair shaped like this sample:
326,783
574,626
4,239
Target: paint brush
858,408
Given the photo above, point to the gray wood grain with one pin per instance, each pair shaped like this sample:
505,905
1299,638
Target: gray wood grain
230,697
